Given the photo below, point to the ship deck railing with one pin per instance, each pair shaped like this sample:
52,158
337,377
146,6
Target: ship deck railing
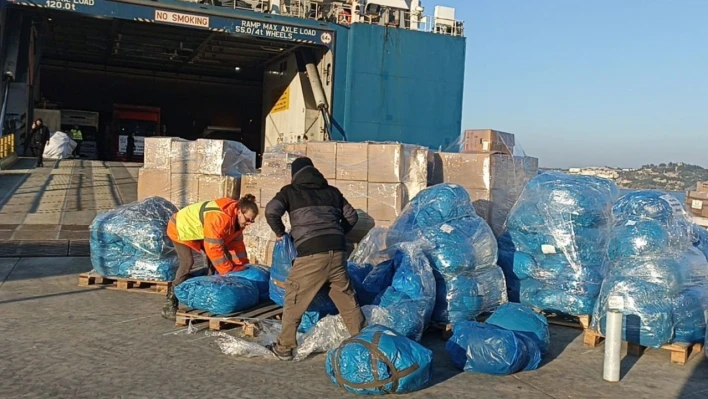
341,14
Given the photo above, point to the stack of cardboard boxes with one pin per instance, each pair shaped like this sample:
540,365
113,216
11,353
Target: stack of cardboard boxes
487,140
493,177
377,179
185,172
697,201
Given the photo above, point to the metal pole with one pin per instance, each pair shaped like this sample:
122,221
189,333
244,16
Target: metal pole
613,346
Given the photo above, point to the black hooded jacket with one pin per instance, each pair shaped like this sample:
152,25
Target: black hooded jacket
320,216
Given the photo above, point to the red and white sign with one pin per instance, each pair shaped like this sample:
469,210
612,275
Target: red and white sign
181,19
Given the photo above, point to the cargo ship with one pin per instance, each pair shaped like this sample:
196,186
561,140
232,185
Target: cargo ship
259,72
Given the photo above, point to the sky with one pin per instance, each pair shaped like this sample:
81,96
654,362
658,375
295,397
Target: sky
589,83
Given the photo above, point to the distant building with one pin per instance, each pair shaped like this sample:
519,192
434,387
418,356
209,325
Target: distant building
605,173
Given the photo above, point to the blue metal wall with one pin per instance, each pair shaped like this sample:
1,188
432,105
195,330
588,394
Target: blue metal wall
399,85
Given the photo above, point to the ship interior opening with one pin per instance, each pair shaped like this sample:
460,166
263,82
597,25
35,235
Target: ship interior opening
199,83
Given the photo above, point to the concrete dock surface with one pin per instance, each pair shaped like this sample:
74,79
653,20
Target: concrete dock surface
64,341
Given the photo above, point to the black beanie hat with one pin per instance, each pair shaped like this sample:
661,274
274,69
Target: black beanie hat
300,164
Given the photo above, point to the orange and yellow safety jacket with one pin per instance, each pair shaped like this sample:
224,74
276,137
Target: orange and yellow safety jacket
212,226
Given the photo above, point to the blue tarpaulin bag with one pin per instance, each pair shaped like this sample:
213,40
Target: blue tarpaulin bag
259,275
487,349
218,295
520,318
380,361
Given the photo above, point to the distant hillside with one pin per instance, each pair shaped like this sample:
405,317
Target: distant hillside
668,177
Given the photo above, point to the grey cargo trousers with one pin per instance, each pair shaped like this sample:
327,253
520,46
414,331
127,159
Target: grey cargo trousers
307,276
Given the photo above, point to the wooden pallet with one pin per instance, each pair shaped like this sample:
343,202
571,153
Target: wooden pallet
680,352
124,284
249,320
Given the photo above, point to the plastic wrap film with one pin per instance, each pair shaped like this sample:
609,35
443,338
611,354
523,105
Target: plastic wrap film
700,239
658,277
284,253
551,251
60,146
461,248
522,319
219,295
488,349
223,157
131,242
402,365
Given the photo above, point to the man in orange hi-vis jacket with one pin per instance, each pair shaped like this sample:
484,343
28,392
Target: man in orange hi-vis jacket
216,227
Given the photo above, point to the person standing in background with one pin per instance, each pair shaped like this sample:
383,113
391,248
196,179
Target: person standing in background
78,137
40,138
130,147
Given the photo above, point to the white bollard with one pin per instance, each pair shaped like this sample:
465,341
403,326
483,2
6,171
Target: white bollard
613,346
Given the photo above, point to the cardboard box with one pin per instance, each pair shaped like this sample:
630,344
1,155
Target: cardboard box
697,195
494,205
153,183
275,163
702,187
157,153
213,187
482,170
356,192
386,163
324,156
487,140
697,205
386,200
296,148
223,157
184,189
416,176
184,157
264,187
352,161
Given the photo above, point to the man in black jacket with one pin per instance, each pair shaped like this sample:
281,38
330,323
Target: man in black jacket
320,217
40,138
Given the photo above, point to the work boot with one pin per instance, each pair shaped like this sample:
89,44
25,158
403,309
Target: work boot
169,310
281,354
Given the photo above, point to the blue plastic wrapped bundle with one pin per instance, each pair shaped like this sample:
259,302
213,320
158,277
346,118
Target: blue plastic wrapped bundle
523,319
434,206
689,315
284,253
458,243
259,275
646,238
402,365
131,241
656,273
552,253
489,349
466,296
461,245
219,295
653,205
370,281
